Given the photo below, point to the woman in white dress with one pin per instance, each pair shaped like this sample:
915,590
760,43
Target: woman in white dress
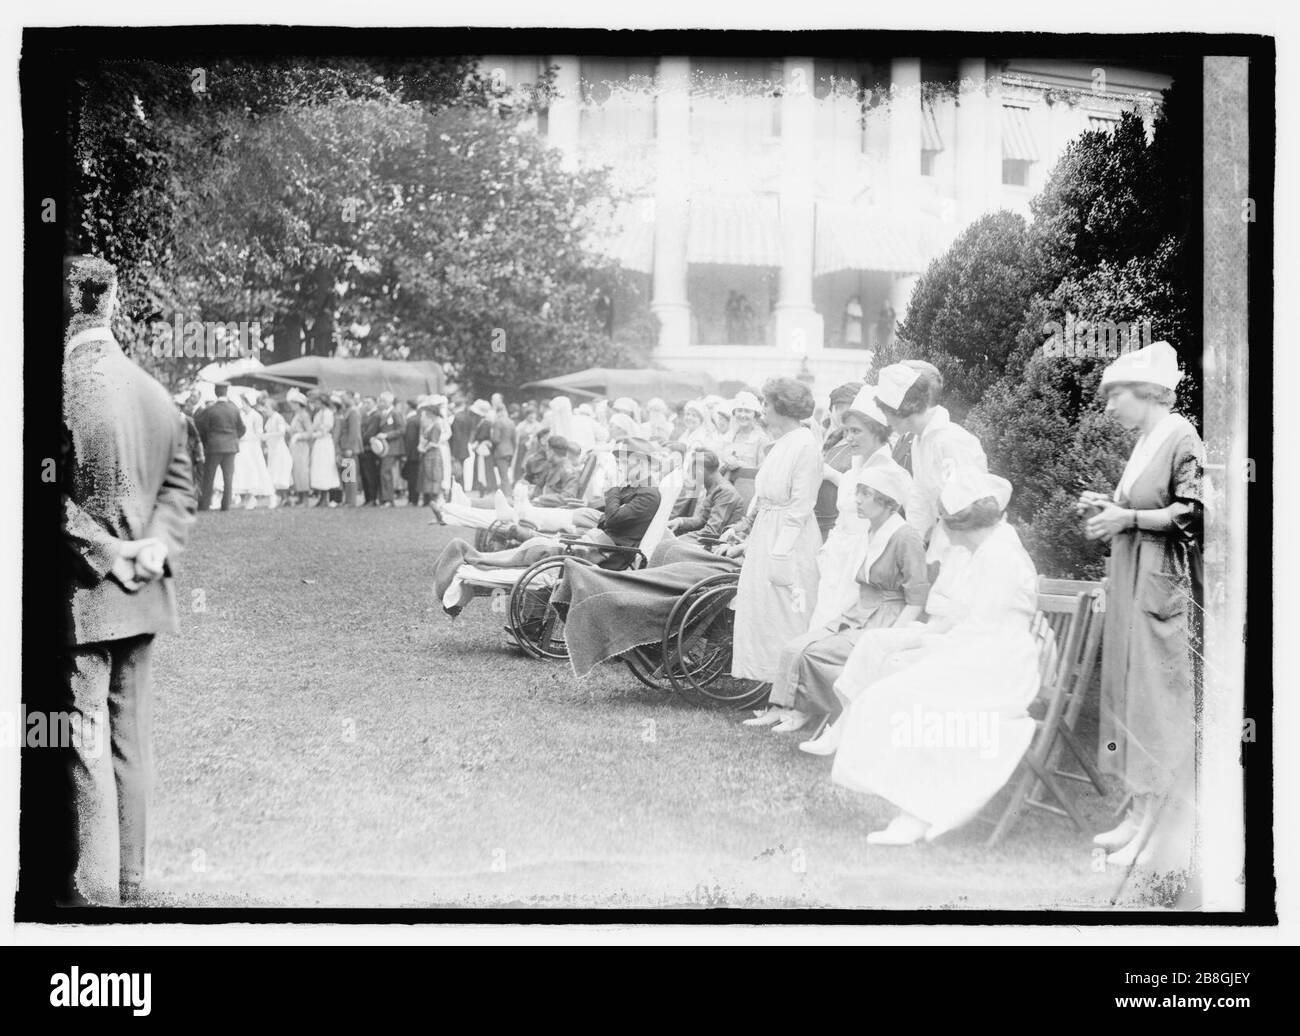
300,444
937,721
779,537
324,472
275,432
252,480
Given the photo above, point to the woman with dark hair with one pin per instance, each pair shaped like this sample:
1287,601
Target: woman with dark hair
909,394
937,721
778,537
1153,601
836,455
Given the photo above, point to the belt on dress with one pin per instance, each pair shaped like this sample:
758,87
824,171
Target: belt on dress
871,594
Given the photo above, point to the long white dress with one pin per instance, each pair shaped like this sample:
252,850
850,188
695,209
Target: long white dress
251,475
938,721
279,461
768,616
324,469
837,587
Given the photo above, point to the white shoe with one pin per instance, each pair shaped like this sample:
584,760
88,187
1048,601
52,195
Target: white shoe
827,743
767,719
902,830
1119,836
794,720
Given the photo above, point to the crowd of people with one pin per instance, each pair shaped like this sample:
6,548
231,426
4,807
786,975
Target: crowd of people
882,593
880,584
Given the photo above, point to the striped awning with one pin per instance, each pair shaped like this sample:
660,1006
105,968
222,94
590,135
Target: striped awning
930,139
629,237
1017,142
849,238
743,231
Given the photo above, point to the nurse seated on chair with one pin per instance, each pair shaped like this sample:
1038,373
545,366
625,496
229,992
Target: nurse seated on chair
943,731
887,587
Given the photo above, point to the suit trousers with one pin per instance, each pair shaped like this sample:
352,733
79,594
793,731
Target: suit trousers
111,689
348,480
226,462
388,467
369,468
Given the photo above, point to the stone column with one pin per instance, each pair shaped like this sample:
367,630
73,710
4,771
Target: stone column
904,132
798,324
672,190
562,113
972,144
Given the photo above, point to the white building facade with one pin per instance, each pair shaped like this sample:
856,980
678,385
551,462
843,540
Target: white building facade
783,209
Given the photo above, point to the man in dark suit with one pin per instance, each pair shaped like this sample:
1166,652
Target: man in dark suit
128,505
411,447
370,418
392,428
463,423
347,446
220,427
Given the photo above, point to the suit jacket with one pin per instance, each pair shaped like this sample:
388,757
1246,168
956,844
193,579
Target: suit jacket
503,436
392,427
220,427
628,513
348,427
411,436
369,428
126,476
721,508
462,432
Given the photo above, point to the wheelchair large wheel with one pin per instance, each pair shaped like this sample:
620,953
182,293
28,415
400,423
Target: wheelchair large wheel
536,624
647,666
697,647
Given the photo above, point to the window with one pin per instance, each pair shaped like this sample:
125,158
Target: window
1015,172
931,141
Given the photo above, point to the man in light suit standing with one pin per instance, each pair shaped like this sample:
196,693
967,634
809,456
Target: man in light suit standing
128,506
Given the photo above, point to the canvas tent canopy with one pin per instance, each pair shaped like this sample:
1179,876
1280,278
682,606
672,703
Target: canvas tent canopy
640,384
366,377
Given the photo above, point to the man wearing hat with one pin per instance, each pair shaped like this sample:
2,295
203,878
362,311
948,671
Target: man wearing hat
558,479
348,427
630,505
391,430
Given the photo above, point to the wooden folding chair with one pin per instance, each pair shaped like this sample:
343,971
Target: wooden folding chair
1068,628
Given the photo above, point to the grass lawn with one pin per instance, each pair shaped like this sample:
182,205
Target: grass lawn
325,736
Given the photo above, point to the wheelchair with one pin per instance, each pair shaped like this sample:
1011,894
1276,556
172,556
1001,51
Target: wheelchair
693,657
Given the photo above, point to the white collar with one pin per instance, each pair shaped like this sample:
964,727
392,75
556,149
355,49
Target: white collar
939,419
877,541
90,334
1144,451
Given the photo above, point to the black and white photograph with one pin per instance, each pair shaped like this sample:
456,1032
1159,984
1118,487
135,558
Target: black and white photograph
681,473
